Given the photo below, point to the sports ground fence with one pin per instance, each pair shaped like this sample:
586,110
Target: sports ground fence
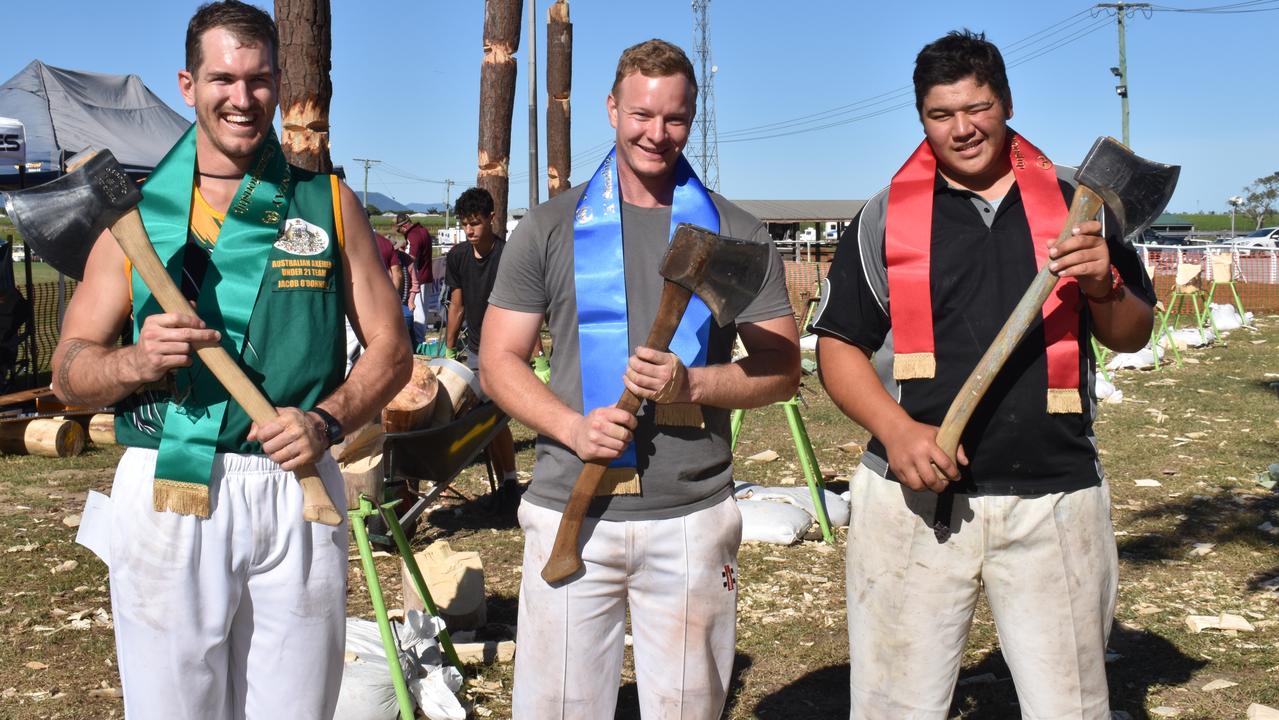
1255,274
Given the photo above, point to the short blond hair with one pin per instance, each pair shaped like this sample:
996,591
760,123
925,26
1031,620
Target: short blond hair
654,58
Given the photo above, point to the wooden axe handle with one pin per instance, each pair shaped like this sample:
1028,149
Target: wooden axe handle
132,236
1084,207
566,558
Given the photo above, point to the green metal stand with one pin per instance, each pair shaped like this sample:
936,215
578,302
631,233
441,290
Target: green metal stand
807,459
358,517
1162,331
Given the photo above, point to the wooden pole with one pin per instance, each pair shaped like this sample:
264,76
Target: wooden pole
497,102
304,28
559,85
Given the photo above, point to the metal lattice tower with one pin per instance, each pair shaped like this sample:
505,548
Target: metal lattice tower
705,141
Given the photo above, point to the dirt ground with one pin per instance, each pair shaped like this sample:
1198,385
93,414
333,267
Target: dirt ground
1199,542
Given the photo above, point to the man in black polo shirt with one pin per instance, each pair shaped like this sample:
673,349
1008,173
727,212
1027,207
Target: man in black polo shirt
955,241
471,269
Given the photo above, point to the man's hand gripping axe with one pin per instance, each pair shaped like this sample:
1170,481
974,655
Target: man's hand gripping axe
61,219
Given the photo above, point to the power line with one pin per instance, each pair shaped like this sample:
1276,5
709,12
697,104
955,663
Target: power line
367,164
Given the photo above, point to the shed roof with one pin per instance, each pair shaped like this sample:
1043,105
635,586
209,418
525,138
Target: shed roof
802,210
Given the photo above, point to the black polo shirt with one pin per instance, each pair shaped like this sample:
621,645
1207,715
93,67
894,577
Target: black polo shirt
982,262
474,277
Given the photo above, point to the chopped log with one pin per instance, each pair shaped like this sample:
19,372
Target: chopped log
304,28
559,85
46,437
497,103
411,408
359,459
455,581
102,429
457,391
486,652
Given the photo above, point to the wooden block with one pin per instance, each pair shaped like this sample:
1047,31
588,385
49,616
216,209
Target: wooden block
455,581
102,429
46,437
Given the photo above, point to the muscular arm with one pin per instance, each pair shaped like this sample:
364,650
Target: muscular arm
505,346
851,382
88,369
384,367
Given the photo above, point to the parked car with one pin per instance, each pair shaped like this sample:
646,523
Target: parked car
1150,237
1266,238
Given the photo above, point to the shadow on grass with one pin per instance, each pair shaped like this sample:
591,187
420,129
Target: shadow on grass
1220,518
628,697
1146,660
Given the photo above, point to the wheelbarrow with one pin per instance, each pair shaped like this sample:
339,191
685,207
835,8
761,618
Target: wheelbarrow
436,455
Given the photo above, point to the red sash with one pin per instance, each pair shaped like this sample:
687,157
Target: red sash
908,247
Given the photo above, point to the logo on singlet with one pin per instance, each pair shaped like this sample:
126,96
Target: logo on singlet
299,237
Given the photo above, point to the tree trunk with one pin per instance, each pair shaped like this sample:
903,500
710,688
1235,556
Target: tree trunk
559,85
497,102
305,87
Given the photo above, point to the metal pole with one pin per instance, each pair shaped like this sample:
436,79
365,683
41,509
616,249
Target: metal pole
448,187
533,178
367,165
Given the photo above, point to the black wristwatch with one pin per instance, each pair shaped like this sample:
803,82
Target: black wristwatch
333,433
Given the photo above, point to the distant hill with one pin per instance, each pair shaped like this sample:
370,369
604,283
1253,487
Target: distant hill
386,203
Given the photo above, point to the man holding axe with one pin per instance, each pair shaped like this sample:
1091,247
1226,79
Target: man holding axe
917,294
226,602
625,512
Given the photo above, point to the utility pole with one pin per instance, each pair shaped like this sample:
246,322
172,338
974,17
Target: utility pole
533,178
367,164
448,202
1122,9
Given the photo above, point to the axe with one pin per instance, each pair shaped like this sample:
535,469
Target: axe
61,219
1136,190
726,273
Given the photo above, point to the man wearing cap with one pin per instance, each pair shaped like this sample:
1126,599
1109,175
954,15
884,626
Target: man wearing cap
920,285
418,243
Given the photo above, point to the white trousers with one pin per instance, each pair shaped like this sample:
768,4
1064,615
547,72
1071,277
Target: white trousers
241,615
1049,568
679,578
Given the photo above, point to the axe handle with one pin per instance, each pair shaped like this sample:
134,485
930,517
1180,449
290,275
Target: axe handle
566,558
132,236
1083,207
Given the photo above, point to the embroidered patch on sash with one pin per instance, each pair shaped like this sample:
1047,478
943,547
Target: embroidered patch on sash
299,237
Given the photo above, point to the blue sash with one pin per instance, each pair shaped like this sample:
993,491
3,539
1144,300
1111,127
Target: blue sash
600,278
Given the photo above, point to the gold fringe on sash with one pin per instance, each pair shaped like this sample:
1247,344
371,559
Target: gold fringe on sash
180,497
1064,400
679,415
619,481
911,366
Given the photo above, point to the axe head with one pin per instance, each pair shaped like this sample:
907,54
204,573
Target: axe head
1135,189
725,272
60,220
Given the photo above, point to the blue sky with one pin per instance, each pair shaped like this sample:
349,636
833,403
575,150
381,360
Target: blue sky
406,84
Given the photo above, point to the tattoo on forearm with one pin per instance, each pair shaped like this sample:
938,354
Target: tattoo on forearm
74,348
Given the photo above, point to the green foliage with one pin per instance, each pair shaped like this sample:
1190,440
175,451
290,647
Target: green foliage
1260,198
372,209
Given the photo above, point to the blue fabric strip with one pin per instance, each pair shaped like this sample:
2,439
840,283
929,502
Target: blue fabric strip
600,280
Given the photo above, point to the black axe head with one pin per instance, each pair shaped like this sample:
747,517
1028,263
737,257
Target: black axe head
725,272
1135,189
60,220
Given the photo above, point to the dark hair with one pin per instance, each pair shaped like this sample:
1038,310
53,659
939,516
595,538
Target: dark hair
249,24
654,58
475,202
401,218
957,55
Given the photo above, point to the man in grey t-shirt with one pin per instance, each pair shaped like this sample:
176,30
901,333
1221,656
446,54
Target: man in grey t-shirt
664,539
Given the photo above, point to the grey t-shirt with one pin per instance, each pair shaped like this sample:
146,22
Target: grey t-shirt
682,469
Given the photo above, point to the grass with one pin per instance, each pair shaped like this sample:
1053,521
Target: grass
1203,430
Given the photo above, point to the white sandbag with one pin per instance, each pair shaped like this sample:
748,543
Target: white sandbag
1114,398
1140,360
367,692
773,522
436,693
743,489
799,496
1102,388
1226,317
1190,337
808,342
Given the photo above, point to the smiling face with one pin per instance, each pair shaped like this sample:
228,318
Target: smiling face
234,93
966,126
652,116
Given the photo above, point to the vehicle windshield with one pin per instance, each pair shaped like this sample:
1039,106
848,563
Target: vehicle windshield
1263,232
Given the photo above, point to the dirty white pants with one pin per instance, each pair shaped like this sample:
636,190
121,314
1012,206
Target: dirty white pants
678,577
241,615
1049,568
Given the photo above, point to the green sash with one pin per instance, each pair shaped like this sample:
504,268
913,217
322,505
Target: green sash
228,294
